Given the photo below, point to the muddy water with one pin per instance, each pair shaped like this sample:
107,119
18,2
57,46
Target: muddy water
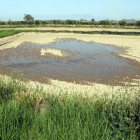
83,62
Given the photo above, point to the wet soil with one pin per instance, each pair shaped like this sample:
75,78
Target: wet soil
83,63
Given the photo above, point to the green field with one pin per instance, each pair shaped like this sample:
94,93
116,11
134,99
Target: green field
4,33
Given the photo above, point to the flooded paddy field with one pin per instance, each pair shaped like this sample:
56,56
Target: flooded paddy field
70,60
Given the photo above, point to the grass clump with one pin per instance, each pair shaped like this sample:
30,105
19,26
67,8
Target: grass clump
28,114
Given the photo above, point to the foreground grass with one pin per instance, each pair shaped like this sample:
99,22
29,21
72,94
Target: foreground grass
37,115
4,33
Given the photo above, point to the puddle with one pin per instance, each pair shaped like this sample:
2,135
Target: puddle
70,60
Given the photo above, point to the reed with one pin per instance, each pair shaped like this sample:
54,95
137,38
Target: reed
36,114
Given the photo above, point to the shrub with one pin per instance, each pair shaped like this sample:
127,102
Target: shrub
43,22
22,22
137,23
114,23
96,23
73,22
2,23
68,21
122,22
25,22
104,22
37,22
91,22
9,22
30,22
130,24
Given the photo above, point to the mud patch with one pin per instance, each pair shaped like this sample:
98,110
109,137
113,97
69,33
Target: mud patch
70,60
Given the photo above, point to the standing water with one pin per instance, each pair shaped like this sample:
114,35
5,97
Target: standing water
81,62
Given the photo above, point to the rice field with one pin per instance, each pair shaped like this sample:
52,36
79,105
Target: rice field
34,114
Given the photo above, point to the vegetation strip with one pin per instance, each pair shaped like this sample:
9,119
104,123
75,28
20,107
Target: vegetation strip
39,115
76,26
4,33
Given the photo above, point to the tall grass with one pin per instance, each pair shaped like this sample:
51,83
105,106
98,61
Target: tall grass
37,115
4,33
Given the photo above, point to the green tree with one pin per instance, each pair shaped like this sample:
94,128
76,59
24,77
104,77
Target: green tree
28,17
37,22
68,21
2,23
9,22
22,22
13,22
137,23
43,22
122,22
93,20
30,22
25,22
104,22
130,24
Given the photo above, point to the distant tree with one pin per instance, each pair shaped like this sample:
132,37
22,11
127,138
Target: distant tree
130,24
28,17
68,21
122,22
22,22
2,23
104,22
30,22
43,22
81,20
93,20
37,22
13,23
9,22
137,23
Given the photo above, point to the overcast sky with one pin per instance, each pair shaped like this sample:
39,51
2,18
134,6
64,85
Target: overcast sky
70,9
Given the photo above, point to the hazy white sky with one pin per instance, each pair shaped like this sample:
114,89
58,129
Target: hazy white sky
70,9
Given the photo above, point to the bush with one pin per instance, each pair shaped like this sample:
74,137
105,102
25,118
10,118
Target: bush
2,23
96,23
130,24
73,22
122,22
114,23
30,22
22,22
91,22
9,22
43,22
37,22
104,22
68,21
25,22
137,23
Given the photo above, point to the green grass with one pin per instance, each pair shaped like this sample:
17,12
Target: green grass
31,114
72,26
4,33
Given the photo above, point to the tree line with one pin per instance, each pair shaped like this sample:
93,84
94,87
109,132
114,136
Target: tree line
29,20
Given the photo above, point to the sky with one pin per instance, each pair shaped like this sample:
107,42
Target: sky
70,9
